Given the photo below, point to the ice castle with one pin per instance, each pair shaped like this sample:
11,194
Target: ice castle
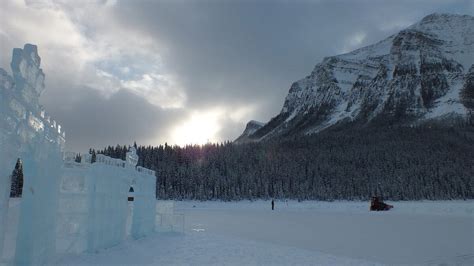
67,206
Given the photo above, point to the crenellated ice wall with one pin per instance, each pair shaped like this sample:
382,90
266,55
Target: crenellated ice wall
108,207
93,206
27,133
66,207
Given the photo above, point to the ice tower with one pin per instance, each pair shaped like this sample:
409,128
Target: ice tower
27,133
67,206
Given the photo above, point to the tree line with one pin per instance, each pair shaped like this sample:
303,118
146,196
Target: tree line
397,163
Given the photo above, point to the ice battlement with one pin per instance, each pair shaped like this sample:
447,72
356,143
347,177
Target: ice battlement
20,119
21,112
93,202
131,162
145,170
66,207
26,132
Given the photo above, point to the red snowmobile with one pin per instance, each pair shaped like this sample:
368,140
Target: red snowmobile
377,204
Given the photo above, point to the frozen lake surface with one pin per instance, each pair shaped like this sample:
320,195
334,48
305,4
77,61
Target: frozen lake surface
306,233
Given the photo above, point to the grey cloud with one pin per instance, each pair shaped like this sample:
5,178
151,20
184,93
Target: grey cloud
90,120
251,51
223,53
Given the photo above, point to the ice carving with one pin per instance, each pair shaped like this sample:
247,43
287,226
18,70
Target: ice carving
132,157
24,133
67,207
28,76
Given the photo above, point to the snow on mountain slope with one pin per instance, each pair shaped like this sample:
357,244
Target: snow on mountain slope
456,32
413,76
251,127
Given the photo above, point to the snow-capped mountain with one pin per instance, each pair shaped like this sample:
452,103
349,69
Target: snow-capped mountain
422,73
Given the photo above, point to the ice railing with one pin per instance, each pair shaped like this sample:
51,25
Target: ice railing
100,158
145,170
70,158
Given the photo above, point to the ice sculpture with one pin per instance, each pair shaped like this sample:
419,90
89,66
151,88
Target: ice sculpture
26,133
67,207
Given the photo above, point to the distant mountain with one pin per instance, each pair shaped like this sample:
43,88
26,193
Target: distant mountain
251,127
421,74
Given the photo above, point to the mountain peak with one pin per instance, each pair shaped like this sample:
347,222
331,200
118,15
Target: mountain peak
411,77
254,123
250,128
442,17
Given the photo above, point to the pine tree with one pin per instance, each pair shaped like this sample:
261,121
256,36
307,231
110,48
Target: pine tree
17,180
93,156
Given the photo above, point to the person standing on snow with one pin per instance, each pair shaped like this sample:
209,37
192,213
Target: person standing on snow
273,205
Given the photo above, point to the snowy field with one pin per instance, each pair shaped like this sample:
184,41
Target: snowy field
306,233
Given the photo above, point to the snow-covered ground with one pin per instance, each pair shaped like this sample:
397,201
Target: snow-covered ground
306,233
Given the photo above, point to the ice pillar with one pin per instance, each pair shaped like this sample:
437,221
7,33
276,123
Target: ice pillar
37,226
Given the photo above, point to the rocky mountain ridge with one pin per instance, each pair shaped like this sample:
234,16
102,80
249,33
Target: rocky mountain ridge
420,74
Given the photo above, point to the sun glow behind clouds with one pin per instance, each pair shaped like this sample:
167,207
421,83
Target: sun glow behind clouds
200,128
208,125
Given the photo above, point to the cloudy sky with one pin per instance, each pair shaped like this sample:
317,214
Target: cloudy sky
187,71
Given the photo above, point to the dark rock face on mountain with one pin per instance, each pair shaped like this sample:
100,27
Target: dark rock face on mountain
421,74
251,127
467,94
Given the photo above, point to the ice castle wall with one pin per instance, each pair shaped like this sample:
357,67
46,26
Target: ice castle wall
93,206
108,207
8,149
26,133
5,166
66,207
73,210
36,237
143,222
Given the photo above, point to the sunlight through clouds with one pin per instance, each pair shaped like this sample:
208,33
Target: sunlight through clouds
200,128
192,65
